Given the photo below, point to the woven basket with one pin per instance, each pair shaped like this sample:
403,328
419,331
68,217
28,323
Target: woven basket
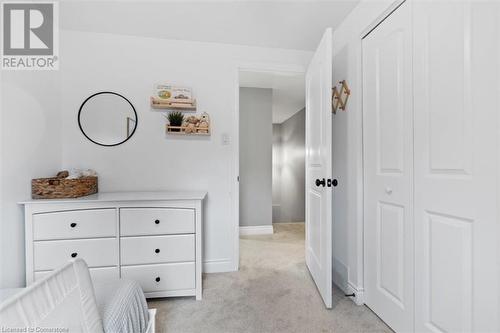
54,188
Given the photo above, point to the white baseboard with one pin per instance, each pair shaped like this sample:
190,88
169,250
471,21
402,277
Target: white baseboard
218,266
257,230
359,292
289,222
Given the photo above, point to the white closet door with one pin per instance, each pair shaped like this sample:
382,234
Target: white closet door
456,118
388,178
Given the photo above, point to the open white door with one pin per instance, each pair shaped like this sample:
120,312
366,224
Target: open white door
319,168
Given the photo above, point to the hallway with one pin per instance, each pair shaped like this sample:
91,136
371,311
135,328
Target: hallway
272,292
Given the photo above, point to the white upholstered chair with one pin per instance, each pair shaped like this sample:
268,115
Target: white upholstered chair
65,301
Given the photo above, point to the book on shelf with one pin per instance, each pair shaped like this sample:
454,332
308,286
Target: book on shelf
172,94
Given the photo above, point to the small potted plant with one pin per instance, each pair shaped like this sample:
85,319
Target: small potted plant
175,118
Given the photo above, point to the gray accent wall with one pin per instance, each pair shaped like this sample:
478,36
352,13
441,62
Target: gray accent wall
277,161
255,156
289,168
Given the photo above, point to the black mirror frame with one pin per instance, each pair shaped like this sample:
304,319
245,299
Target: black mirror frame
112,93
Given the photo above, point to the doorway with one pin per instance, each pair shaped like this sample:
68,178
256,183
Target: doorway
271,150
318,156
272,167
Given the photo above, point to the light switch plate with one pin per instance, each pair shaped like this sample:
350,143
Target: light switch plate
226,139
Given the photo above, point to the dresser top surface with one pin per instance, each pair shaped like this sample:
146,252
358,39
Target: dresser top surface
126,196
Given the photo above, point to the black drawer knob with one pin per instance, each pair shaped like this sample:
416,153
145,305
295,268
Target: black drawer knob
157,251
157,279
73,225
74,254
157,221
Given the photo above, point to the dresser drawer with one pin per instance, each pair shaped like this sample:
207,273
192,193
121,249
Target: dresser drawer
164,277
96,252
156,221
157,249
97,274
89,223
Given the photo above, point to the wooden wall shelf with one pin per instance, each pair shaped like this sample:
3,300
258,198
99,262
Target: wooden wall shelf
181,130
173,105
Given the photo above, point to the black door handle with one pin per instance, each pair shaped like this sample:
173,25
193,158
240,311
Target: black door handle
74,254
157,279
72,225
321,182
157,251
331,182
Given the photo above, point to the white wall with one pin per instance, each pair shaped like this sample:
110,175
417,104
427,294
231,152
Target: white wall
150,160
255,156
30,148
347,145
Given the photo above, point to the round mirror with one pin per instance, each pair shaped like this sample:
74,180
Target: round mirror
107,118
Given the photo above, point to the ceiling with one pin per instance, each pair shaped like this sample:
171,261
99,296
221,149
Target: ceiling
285,24
288,91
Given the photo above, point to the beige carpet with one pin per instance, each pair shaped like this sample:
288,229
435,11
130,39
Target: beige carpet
272,292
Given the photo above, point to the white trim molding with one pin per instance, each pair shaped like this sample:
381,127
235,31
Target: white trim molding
257,230
218,266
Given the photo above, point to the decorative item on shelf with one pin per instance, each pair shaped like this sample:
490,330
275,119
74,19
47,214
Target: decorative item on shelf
175,119
204,124
191,125
67,184
340,96
174,98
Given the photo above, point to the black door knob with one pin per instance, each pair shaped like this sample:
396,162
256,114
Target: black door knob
157,221
335,182
157,251
157,279
74,254
321,182
73,225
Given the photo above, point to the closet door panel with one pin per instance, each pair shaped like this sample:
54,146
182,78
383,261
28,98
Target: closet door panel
455,166
388,154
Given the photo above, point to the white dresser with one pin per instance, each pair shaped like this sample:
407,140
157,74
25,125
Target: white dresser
154,238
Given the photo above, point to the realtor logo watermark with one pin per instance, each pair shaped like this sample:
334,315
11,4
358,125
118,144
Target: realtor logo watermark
30,37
